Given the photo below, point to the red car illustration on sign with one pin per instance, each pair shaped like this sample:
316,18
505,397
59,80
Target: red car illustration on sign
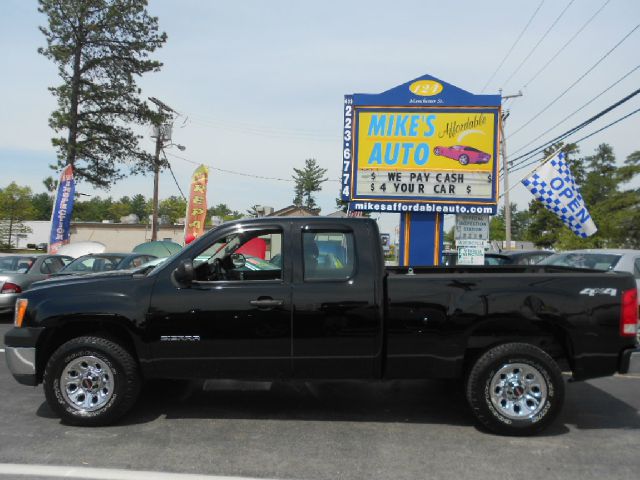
464,155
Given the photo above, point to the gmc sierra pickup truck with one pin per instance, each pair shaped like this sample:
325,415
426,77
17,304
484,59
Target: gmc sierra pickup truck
310,298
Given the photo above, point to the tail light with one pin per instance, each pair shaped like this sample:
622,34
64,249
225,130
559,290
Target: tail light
629,313
9,287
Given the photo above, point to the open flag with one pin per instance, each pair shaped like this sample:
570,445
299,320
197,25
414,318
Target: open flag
62,211
553,184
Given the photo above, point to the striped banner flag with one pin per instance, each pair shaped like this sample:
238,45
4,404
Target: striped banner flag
197,206
62,211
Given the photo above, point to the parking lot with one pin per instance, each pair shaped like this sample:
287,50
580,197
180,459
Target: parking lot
337,430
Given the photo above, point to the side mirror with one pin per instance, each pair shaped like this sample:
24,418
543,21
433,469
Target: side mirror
238,260
184,274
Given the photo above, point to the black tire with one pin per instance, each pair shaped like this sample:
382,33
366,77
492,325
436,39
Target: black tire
113,358
487,369
464,160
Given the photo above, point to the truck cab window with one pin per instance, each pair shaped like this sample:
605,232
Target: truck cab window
242,256
328,255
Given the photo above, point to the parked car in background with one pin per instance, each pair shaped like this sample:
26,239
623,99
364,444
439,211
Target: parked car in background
515,257
18,272
604,259
105,262
462,154
525,257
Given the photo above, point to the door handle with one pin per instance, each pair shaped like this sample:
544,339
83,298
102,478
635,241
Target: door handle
266,303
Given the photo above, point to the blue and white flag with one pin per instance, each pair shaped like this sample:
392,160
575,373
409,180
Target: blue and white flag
553,184
62,211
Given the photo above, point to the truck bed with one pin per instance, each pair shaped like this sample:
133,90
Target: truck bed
447,310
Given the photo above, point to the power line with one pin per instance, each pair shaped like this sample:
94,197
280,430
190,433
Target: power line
173,175
523,158
608,125
576,142
233,172
624,117
579,109
258,130
513,46
561,49
244,125
576,81
537,44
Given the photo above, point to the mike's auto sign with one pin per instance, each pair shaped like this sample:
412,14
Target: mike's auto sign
425,146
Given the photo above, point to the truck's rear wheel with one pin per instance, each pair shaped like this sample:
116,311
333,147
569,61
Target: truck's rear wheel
515,389
91,381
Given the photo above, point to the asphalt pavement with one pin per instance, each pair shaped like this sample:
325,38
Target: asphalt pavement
323,430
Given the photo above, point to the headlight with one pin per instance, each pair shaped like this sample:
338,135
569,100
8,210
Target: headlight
21,309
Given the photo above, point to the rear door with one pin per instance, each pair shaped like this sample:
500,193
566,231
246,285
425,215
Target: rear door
337,318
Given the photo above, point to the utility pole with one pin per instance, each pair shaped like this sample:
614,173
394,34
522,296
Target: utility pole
160,139
505,170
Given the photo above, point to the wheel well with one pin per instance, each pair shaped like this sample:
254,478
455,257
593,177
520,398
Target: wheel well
555,343
77,328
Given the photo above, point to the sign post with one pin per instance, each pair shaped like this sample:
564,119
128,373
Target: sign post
422,149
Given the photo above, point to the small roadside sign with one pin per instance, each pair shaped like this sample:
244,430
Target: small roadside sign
471,226
470,255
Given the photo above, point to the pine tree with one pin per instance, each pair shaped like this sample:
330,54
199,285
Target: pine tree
100,47
308,180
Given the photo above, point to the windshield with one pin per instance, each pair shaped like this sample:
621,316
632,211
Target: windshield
593,261
94,263
16,264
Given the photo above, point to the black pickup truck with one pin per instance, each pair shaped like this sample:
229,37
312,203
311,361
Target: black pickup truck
310,298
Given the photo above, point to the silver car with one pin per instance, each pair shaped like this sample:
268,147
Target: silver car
605,259
18,272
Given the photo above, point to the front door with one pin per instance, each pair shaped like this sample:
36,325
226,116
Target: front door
233,321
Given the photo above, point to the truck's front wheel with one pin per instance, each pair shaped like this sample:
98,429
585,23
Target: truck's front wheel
515,389
91,381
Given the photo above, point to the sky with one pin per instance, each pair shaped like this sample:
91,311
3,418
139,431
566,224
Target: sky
259,85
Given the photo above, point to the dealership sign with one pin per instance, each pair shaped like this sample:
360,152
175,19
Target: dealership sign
424,146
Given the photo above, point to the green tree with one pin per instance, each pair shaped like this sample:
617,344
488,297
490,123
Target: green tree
100,48
92,210
614,208
141,207
342,205
42,204
253,211
519,224
173,207
15,207
308,180
224,212
450,236
50,184
117,210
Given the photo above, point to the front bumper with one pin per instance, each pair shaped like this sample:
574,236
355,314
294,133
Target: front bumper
20,353
22,364
630,361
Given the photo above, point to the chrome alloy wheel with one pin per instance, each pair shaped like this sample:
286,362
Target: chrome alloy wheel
518,391
87,383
